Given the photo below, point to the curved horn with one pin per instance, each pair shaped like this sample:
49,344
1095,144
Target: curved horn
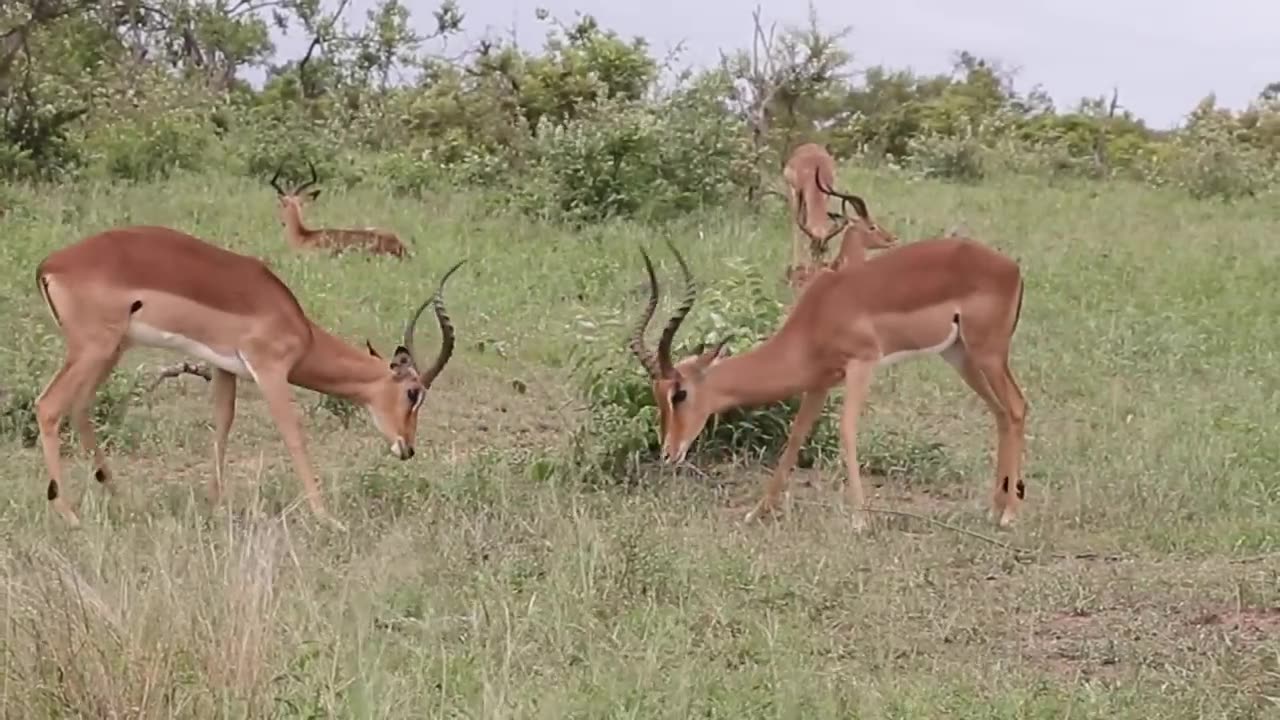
314,178
446,329
818,243
859,206
637,345
275,178
665,366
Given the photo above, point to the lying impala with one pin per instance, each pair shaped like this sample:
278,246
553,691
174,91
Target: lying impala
372,240
157,287
858,237
947,296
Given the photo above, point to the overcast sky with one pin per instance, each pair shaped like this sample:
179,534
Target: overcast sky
1163,55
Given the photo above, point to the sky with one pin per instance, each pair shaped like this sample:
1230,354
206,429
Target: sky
1163,56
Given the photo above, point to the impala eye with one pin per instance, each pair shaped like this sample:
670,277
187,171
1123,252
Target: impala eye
678,396
415,394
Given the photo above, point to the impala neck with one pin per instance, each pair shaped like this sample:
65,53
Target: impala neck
293,222
333,367
767,373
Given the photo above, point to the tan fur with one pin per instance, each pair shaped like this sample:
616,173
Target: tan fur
948,296
807,203
858,237
158,287
336,240
371,240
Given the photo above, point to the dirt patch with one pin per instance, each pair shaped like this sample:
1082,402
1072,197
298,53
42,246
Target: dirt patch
1107,643
1247,624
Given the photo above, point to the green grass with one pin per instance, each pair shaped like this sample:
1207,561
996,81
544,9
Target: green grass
469,586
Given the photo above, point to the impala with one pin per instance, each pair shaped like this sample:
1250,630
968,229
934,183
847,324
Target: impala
161,288
947,296
810,174
373,240
860,234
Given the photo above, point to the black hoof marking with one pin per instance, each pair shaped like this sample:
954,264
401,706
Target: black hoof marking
53,490
1022,489
100,475
1005,486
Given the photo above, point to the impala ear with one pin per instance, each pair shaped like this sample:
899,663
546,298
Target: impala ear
401,358
718,352
372,352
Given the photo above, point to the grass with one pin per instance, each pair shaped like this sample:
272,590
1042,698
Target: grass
471,586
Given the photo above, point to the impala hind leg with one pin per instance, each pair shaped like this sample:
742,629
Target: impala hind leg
275,390
83,424
1009,450
992,382
810,408
70,390
224,411
857,382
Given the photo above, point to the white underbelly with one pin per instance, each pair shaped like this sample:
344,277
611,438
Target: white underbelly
899,356
140,333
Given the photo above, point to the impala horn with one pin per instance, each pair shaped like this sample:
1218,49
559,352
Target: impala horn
818,244
446,331
314,179
859,206
665,366
643,353
274,181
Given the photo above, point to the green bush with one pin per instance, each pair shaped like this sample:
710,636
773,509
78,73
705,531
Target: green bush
620,433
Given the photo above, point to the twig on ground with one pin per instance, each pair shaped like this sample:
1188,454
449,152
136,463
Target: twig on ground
182,368
1254,558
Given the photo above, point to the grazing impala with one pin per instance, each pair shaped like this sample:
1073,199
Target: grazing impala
372,240
158,287
860,234
947,296
810,173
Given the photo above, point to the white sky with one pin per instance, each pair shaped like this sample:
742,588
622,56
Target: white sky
1163,55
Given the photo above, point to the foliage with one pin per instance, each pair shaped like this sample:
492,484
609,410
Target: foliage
620,432
591,125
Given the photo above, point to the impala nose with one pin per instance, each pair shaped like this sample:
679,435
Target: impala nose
401,449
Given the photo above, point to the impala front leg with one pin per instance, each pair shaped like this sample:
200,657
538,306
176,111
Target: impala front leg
810,408
857,381
224,411
275,390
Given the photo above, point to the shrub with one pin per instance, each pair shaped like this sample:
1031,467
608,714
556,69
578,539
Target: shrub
947,157
620,433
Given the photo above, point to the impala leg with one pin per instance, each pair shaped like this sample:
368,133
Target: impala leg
224,411
1009,449
83,425
275,390
80,368
857,382
958,357
810,408
799,248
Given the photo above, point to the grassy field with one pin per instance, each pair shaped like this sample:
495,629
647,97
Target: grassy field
469,586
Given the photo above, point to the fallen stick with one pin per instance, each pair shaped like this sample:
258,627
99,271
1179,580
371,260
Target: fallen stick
182,368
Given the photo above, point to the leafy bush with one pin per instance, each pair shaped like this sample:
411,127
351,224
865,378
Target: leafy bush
947,157
620,432
625,158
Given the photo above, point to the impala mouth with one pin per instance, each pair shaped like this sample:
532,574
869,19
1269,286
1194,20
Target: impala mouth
677,457
401,449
